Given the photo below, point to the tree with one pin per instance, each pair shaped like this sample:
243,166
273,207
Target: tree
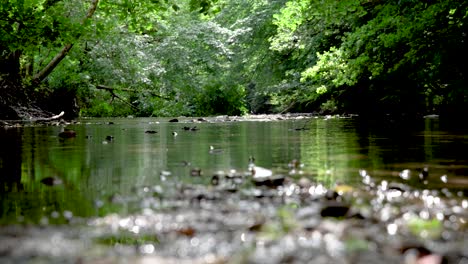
185,57
382,56
222,57
41,75
28,25
26,28
253,65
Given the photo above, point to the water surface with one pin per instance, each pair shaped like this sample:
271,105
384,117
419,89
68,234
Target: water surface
93,169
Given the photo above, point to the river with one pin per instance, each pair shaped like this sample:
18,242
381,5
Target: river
112,160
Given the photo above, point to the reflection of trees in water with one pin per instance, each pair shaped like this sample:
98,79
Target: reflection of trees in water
10,160
31,156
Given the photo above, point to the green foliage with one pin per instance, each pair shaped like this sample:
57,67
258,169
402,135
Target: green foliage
20,27
288,21
305,32
331,68
219,98
222,57
102,104
412,50
134,16
173,62
253,64
205,7
31,32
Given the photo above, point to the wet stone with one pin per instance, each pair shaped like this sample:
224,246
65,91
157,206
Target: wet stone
196,172
398,186
310,211
257,224
215,180
424,174
270,181
334,209
331,195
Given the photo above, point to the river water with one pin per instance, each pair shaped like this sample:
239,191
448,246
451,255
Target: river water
113,158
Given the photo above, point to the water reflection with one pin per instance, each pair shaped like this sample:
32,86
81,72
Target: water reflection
93,168
10,159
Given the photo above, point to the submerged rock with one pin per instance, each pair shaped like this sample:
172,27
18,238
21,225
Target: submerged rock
187,128
52,181
334,209
195,172
67,133
271,181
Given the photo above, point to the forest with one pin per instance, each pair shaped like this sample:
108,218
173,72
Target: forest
220,57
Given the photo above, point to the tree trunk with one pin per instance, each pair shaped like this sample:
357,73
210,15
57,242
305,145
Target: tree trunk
41,75
10,64
11,93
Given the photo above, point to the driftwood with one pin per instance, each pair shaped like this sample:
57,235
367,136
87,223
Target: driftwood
30,119
47,118
112,89
53,117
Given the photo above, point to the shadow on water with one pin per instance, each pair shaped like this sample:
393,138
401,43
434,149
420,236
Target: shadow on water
34,186
394,146
10,160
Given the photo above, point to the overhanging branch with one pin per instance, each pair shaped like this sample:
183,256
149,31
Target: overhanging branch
112,89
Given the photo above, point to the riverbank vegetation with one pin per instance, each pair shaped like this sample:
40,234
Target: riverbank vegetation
210,57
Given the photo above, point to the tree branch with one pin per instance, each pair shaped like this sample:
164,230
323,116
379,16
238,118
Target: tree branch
111,90
40,76
118,97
